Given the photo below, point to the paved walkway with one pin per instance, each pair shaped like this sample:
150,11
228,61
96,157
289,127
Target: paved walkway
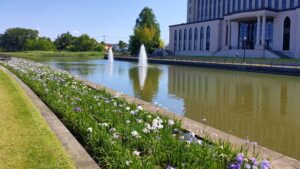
78,154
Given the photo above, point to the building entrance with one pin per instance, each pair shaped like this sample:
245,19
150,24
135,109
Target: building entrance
247,34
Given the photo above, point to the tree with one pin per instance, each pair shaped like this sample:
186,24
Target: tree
41,44
146,31
14,39
84,43
1,49
64,41
122,45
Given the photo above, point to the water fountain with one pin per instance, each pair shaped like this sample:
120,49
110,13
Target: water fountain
142,72
110,55
143,62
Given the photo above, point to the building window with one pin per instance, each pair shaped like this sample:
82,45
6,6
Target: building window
184,39
223,11
276,4
180,38
286,33
210,8
201,38
215,10
196,39
219,8
250,4
198,12
239,5
292,4
283,4
228,6
190,39
175,40
269,34
256,4
245,5
233,5
208,38
262,4
270,4
206,8
202,10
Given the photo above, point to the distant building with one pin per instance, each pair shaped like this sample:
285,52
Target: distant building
269,28
107,46
115,47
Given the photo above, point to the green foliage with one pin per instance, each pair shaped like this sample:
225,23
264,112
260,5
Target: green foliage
14,39
77,44
44,55
64,41
41,44
122,45
84,43
146,31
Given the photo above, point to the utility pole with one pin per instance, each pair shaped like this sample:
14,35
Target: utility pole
104,38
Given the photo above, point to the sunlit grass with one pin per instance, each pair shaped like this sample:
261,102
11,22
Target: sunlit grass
25,139
35,55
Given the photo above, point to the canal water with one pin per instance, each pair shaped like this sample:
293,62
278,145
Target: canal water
260,107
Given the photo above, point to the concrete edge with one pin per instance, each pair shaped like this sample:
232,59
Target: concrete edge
278,160
256,68
75,150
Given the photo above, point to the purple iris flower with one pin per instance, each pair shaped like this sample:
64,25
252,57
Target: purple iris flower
77,109
234,166
254,161
265,164
240,158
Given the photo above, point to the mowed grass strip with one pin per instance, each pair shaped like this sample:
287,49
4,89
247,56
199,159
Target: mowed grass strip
36,55
26,141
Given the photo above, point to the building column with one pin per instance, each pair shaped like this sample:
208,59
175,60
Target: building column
258,31
263,31
229,34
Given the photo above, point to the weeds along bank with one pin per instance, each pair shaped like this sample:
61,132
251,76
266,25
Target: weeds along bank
121,135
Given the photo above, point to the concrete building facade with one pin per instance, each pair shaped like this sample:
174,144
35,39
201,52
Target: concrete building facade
262,28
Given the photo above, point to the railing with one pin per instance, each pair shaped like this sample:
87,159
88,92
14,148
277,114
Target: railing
295,63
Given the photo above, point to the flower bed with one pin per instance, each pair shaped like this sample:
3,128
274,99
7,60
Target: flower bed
121,135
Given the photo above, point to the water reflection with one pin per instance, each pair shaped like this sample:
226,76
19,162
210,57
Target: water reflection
109,69
76,67
145,82
254,106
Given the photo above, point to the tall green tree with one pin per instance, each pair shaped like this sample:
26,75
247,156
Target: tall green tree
64,41
1,49
14,39
122,45
84,43
41,44
146,31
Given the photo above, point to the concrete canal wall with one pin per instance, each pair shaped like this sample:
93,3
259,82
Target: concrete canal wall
259,68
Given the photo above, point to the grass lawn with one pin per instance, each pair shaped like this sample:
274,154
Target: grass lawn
25,139
34,55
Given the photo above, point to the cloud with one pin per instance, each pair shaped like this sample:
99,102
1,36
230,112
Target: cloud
75,32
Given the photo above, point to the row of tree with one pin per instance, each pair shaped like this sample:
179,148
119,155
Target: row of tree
20,39
146,31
